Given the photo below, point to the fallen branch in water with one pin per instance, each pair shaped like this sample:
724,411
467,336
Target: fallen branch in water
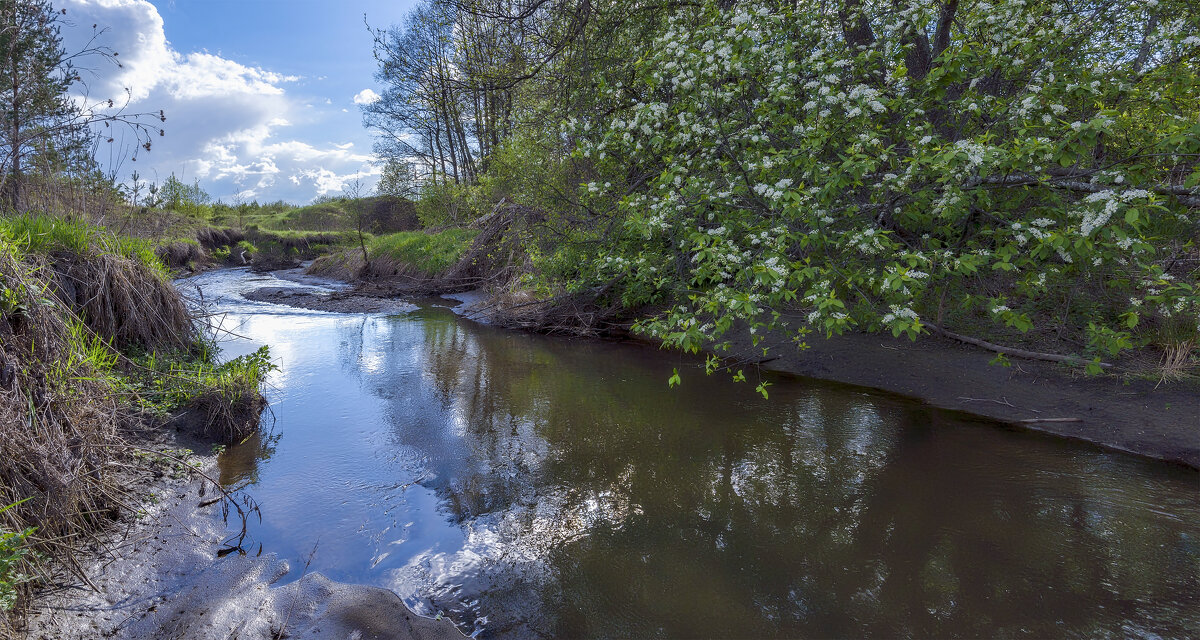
1036,420
1009,351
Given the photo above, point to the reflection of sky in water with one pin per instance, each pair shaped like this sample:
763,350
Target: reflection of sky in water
537,487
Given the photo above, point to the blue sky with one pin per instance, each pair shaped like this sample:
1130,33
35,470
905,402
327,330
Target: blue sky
259,94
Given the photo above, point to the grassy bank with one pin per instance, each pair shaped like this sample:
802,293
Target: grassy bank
95,343
402,257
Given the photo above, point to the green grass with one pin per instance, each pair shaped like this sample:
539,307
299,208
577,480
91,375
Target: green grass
13,549
41,234
301,234
429,253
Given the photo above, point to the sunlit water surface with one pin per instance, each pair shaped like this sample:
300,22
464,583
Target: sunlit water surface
537,487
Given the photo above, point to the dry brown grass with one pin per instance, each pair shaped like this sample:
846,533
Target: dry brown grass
65,315
1177,359
212,237
180,255
58,418
123,300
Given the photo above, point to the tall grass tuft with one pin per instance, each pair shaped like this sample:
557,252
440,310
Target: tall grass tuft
116,285
223,397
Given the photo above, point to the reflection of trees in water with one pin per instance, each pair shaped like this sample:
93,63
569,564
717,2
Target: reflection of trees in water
597,502
239,464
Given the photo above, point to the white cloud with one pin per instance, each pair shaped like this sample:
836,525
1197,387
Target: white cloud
328,182
232,126
366,96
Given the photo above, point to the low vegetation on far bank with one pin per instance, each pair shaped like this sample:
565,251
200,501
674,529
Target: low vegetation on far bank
412,256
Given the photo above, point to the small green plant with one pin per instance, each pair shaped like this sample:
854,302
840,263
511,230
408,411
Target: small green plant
170,381
10,302
13,549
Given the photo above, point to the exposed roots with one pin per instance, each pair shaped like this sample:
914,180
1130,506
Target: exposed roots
577,314
491,259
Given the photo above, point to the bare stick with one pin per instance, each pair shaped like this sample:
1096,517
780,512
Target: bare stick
1004,401
1009,351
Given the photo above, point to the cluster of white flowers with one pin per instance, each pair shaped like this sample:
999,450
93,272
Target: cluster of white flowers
898,313
1110,202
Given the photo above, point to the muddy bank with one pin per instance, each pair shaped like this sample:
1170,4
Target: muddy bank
160,577
1130,414
1126,413
338,301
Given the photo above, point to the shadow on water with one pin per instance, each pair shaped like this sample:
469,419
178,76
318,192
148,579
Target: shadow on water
539,487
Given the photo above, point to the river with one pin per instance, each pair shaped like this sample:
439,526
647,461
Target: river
528,486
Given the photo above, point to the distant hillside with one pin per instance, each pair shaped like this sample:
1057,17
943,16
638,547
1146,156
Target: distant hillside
383,214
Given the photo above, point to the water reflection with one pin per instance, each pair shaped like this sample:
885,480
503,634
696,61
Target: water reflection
534,487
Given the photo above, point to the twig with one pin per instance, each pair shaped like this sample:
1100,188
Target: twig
1004,401
1036,420
280,635
226,499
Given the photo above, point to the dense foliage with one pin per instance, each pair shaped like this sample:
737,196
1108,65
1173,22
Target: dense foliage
1008,167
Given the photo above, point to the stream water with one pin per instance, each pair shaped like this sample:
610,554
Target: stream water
538,487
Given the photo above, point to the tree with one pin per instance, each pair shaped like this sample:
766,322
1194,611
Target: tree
354,192
37,115
34,75
906,167
176,195
419,116
900,171
398,180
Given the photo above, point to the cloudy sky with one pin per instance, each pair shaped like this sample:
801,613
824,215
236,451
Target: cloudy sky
261,96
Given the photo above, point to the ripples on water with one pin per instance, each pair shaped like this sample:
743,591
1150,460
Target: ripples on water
535,487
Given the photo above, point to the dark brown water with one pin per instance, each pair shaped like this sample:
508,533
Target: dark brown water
535,487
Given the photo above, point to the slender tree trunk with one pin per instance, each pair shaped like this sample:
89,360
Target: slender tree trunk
15,140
